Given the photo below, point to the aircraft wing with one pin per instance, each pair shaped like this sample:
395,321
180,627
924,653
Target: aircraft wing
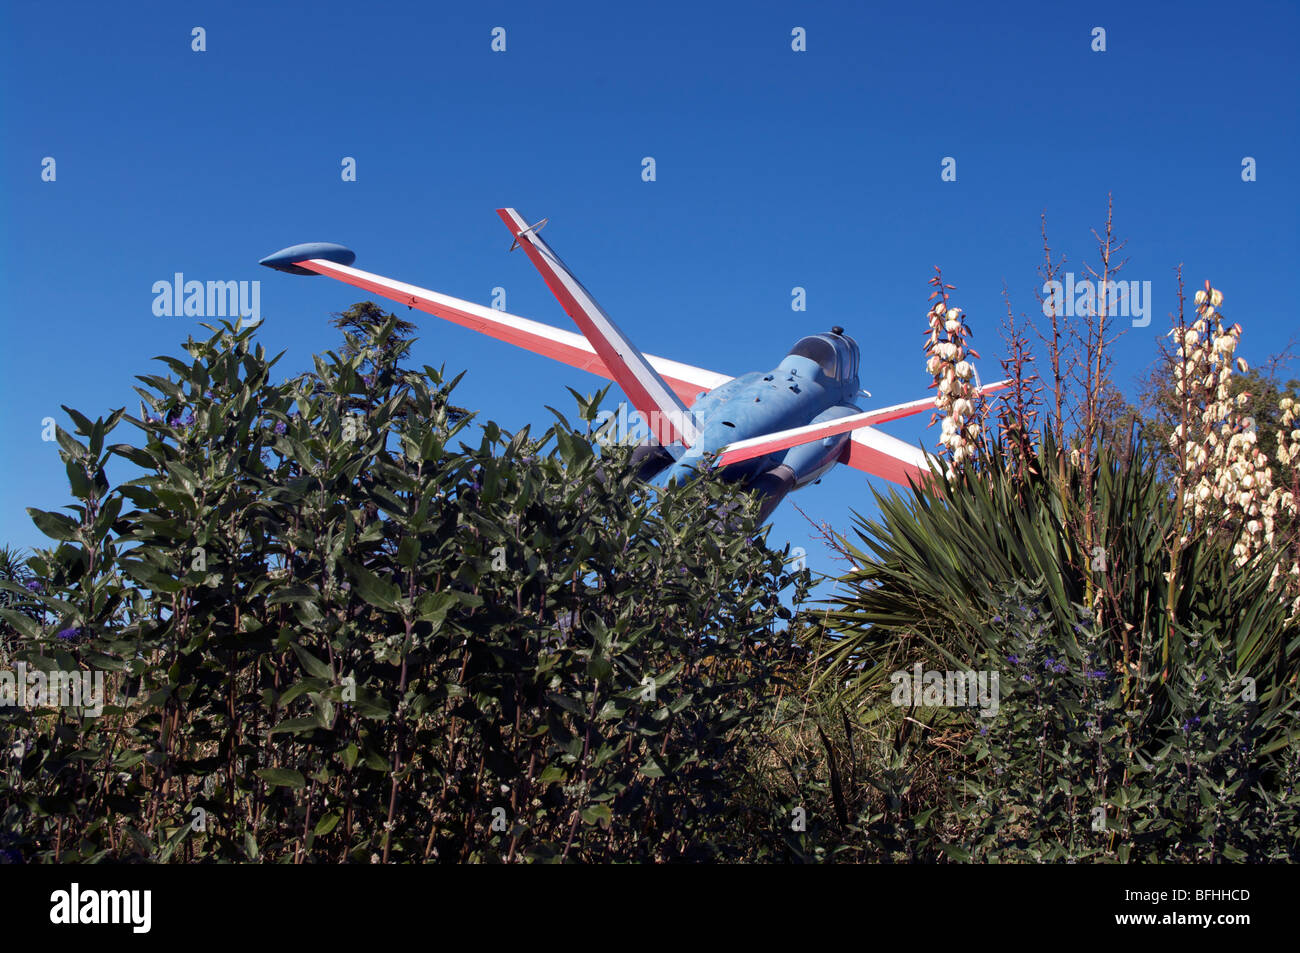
642,383
685,381
869,449
879,454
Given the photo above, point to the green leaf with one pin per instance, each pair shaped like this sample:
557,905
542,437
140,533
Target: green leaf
173,842
552,774
433,606
311,663
293,592
380,594
282,777
294,726
150,576
24,624
598,814
54,525
78,481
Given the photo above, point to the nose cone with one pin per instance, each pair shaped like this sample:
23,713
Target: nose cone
285,259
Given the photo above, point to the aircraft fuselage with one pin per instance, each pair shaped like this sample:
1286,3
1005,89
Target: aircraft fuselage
800,390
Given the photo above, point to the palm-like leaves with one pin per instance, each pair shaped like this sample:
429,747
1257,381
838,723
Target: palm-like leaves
936,569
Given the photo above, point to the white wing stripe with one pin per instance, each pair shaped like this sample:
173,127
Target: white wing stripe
633,371
556,343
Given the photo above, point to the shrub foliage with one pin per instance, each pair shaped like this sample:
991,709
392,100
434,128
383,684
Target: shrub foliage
339,625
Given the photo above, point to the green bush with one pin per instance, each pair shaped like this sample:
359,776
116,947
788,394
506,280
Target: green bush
338,628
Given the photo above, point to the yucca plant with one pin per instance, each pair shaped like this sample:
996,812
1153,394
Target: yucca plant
15,571
1005,564
934,567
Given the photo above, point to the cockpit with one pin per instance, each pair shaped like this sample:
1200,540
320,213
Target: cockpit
834,352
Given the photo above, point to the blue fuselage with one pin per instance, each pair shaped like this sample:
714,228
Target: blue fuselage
796,393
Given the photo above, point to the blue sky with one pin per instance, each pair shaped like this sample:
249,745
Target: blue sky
775,169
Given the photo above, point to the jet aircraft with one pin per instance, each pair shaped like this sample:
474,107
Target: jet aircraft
774,431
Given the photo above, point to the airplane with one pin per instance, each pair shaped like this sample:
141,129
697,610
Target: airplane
774,432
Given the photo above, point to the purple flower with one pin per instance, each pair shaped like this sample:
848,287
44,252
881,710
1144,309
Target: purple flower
34,585
280,427
1096,673
1013,659
73,634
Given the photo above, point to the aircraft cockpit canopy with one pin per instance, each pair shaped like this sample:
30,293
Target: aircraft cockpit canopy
835,353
